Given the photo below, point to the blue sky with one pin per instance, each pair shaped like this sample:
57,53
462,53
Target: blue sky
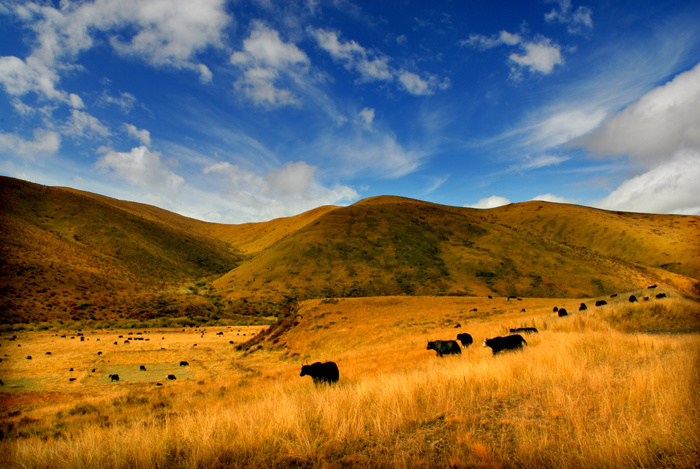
245,111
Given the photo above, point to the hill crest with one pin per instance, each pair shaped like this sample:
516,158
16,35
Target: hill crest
88,247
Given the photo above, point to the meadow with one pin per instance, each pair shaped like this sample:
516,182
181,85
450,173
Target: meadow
598,388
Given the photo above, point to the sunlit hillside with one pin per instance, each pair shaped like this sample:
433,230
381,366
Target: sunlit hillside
392,245
68,254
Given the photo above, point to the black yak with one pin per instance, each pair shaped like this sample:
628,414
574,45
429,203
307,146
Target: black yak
526,330
444,347
465,338
321,372
510,342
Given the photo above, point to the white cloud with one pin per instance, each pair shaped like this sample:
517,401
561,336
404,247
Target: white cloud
540,55
553,198
288,190
577,21
143,135
268,64
379,155
20,77
374,66
126,101
164,33
482,42
661,123
366,117
564,126
45,143
370,65
82,124
490,202
540,161
75,101
660,132
671,187
142,168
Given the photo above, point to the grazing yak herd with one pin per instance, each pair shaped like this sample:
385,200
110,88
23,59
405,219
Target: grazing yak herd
327,372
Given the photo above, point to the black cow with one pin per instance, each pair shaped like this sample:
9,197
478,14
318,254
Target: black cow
114,377
184,363
510,342
562,312
526,330
72,379
99,353
465,338
661,295
633,299
555,309
444,347
321,372
583,307
171,377
613,295
142,368
601,303
651,287
48,353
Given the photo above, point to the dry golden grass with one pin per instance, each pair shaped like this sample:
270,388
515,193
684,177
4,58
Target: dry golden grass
581,394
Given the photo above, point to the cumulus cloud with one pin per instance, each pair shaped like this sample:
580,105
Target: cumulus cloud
45,142
82,124
269,66
539,55
490,202
373,65
164,33
661,123
661,133
285,191
578,21
671,187
553,198
143,135
142,168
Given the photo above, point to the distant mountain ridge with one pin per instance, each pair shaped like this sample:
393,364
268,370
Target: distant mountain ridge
69,253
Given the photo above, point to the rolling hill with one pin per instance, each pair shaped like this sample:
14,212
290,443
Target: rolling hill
72,254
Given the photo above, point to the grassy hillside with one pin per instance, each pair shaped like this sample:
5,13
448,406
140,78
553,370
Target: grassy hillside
72,254
391,245
67,253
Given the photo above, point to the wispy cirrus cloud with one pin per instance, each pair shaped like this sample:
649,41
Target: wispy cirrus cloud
287,190
375,66
577,20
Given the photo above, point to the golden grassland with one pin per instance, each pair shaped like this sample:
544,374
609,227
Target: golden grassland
589,390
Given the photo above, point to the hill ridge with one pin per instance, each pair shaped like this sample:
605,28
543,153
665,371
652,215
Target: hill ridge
86,246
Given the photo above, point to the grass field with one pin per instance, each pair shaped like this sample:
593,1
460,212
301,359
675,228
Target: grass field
590,390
